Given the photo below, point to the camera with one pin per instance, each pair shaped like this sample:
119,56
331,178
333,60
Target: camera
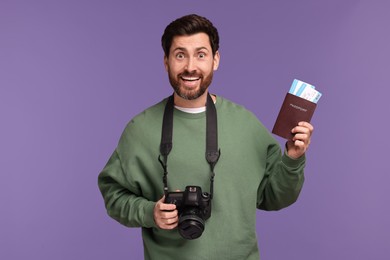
194,208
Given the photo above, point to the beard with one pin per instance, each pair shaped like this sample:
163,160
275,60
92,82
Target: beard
186,93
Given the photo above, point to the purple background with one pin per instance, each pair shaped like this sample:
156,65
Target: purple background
72,73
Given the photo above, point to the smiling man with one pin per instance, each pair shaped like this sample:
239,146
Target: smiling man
190,63
201,137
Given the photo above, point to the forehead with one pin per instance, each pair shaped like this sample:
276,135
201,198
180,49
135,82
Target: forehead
191,42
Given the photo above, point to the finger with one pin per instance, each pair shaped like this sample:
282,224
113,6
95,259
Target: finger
161,200
168,223
166,206
307,125
300,144
301,129
168,214
289,144
302,137
160,205
166,220
171,221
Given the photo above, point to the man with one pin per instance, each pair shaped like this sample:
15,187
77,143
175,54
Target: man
251,173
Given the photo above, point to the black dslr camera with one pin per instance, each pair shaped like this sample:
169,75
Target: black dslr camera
194,208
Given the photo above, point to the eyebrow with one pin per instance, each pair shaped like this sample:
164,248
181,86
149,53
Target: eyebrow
184,49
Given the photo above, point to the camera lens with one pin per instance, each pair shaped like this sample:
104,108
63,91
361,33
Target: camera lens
191,224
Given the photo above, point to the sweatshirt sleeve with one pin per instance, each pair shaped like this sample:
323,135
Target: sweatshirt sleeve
121,199
282,182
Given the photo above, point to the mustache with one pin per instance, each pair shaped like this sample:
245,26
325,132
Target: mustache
190,74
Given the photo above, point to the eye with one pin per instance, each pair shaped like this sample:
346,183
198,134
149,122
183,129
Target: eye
180,55
201,55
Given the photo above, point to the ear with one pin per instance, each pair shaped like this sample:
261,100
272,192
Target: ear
216,60
166,62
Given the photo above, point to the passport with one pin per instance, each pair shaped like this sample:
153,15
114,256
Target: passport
294,110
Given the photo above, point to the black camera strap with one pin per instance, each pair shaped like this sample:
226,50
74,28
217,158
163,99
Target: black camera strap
212,151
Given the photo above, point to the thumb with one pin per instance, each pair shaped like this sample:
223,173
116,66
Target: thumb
162,199
289,144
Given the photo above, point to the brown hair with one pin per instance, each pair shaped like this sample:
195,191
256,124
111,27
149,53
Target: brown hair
189,25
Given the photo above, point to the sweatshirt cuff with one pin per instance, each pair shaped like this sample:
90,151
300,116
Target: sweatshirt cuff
148,215
293,163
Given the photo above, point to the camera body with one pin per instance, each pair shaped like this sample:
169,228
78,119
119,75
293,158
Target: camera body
194,208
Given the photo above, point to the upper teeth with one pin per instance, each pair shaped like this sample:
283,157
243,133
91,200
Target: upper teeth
190,78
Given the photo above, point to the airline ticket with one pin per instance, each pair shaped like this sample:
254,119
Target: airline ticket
305,91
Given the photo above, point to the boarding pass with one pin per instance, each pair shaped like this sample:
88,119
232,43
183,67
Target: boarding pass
305,90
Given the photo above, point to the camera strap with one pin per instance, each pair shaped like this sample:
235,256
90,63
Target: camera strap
212,151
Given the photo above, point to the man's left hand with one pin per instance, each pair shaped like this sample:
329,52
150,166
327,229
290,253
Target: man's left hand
301,140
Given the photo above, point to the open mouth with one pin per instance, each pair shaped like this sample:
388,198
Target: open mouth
190,78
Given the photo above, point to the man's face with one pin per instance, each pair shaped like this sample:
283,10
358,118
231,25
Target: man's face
190,65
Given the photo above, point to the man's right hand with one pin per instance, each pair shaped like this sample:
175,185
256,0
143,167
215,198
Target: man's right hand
165,215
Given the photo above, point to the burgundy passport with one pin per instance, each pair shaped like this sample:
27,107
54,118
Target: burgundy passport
294,110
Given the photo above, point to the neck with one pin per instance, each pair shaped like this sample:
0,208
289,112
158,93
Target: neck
195,103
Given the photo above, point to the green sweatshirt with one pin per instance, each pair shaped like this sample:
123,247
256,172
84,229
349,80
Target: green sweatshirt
251,173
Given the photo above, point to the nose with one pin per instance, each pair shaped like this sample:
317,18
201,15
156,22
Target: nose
191,66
